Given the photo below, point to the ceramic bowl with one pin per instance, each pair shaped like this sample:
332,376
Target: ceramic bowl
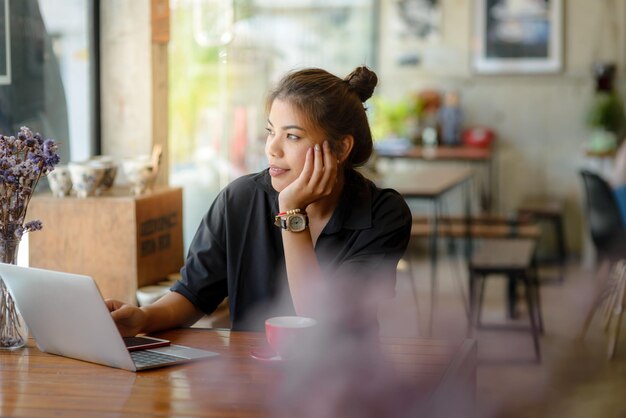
110,170
147,295
140,173
85,178
60,181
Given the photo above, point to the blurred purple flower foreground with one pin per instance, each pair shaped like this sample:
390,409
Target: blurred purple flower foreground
23,161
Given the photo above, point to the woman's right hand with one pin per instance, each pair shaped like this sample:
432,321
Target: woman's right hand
130,320
316,181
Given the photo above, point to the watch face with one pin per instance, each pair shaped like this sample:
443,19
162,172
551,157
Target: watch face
296,223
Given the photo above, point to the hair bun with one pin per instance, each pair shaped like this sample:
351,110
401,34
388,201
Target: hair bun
362,81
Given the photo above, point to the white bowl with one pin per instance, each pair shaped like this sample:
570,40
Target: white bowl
150,294
60,181
141,174
110,170
85,178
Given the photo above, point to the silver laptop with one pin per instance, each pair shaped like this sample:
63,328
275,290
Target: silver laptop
67,316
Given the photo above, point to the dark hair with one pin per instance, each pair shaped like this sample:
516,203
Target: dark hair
332,104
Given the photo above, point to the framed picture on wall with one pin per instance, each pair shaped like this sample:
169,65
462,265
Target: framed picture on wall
5,43
518,36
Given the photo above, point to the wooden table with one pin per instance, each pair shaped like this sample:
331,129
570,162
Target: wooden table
472,155
432,183
230,385
459,153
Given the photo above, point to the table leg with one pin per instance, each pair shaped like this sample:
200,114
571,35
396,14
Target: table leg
413,253
468,223
512,296
493,184
433,262
468,240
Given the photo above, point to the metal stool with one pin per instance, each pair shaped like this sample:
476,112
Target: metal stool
514,259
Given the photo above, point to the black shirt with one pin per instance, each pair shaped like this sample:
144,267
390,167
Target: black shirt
238,251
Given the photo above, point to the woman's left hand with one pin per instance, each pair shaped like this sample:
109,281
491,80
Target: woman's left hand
316,181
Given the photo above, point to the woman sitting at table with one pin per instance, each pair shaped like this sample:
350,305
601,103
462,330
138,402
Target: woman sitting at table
269,238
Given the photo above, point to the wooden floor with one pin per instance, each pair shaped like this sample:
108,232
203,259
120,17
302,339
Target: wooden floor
574,378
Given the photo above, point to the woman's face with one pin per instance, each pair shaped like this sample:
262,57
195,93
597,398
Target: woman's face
289,137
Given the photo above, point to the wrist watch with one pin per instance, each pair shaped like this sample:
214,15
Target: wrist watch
293,220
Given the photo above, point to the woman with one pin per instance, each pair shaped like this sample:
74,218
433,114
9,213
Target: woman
269,238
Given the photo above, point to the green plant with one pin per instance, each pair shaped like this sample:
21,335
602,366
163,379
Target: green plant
607,113
391,119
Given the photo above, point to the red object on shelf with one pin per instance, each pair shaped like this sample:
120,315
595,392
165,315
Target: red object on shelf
478,137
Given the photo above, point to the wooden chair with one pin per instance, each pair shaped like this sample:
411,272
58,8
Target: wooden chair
478,227
611,301
512,258
481,226
551,211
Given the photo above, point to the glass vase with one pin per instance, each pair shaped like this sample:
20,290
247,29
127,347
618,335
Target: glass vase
13,330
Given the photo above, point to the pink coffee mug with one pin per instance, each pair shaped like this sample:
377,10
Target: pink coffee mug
285,334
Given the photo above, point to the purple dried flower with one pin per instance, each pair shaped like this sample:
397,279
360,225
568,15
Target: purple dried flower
19,232
34,225
24,158
52,160
38,138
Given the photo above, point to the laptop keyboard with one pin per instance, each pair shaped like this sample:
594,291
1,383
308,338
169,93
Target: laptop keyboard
145,358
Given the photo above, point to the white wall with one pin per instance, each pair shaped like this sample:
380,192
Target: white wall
539,118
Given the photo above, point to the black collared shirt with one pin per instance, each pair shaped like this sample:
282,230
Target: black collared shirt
238,251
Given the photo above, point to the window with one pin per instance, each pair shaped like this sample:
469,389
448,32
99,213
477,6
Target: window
224,57
49,80
48,75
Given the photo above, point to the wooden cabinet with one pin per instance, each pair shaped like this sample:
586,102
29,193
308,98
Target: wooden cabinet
122,241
